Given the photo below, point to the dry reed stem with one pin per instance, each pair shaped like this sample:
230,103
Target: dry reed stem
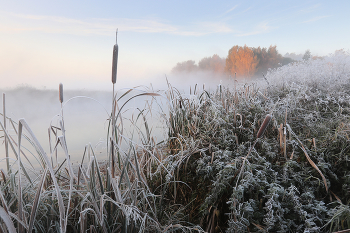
285,142
336,197
280,135
20,198
309,159
36,201
5,140
259,227
7,220
343,231
264,125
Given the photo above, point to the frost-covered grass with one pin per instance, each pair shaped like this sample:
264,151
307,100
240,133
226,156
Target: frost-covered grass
210,173
294,179
55,195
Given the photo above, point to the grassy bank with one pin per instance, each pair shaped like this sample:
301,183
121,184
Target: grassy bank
293,178
267,156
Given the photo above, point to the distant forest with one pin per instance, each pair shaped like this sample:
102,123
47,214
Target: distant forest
242,61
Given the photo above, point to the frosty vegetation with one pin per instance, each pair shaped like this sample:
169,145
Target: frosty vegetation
296,179
211,173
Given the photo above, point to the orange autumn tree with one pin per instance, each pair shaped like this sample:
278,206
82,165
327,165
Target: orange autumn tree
242,61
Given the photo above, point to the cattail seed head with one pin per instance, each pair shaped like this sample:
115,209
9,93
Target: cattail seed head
264,125
115,59
115,63
61,92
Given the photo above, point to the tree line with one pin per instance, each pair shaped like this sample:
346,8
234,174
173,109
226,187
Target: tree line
241,61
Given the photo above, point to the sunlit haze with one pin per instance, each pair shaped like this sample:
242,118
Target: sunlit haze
44,43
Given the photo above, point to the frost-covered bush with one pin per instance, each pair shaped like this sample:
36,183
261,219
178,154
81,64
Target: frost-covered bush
292,179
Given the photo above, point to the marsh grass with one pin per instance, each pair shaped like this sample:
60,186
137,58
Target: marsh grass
247,158
291,176
113,196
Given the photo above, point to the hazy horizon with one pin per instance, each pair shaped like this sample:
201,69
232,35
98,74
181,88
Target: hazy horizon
46,43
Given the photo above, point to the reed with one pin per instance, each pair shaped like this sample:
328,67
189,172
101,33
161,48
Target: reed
5,141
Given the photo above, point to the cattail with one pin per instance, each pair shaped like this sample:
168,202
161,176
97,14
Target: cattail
61,92
264,125
115,61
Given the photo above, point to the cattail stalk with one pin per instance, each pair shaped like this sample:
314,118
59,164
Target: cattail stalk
20,201
6,140
114,80
60,90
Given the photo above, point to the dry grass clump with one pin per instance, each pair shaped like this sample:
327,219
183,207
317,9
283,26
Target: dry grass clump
110,197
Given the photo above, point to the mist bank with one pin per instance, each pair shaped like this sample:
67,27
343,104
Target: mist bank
84,118
86,113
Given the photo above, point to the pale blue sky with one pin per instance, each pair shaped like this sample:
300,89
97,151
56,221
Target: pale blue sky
44,43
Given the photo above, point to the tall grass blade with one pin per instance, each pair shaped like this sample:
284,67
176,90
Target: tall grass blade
98,172
138,95
3,201
137,164
115,187
15,152
22,152
36,201
20,200
20,222
7,220
83,222
48,164
65,149
125,169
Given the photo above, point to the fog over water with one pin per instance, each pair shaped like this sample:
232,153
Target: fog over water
86,112
84,119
